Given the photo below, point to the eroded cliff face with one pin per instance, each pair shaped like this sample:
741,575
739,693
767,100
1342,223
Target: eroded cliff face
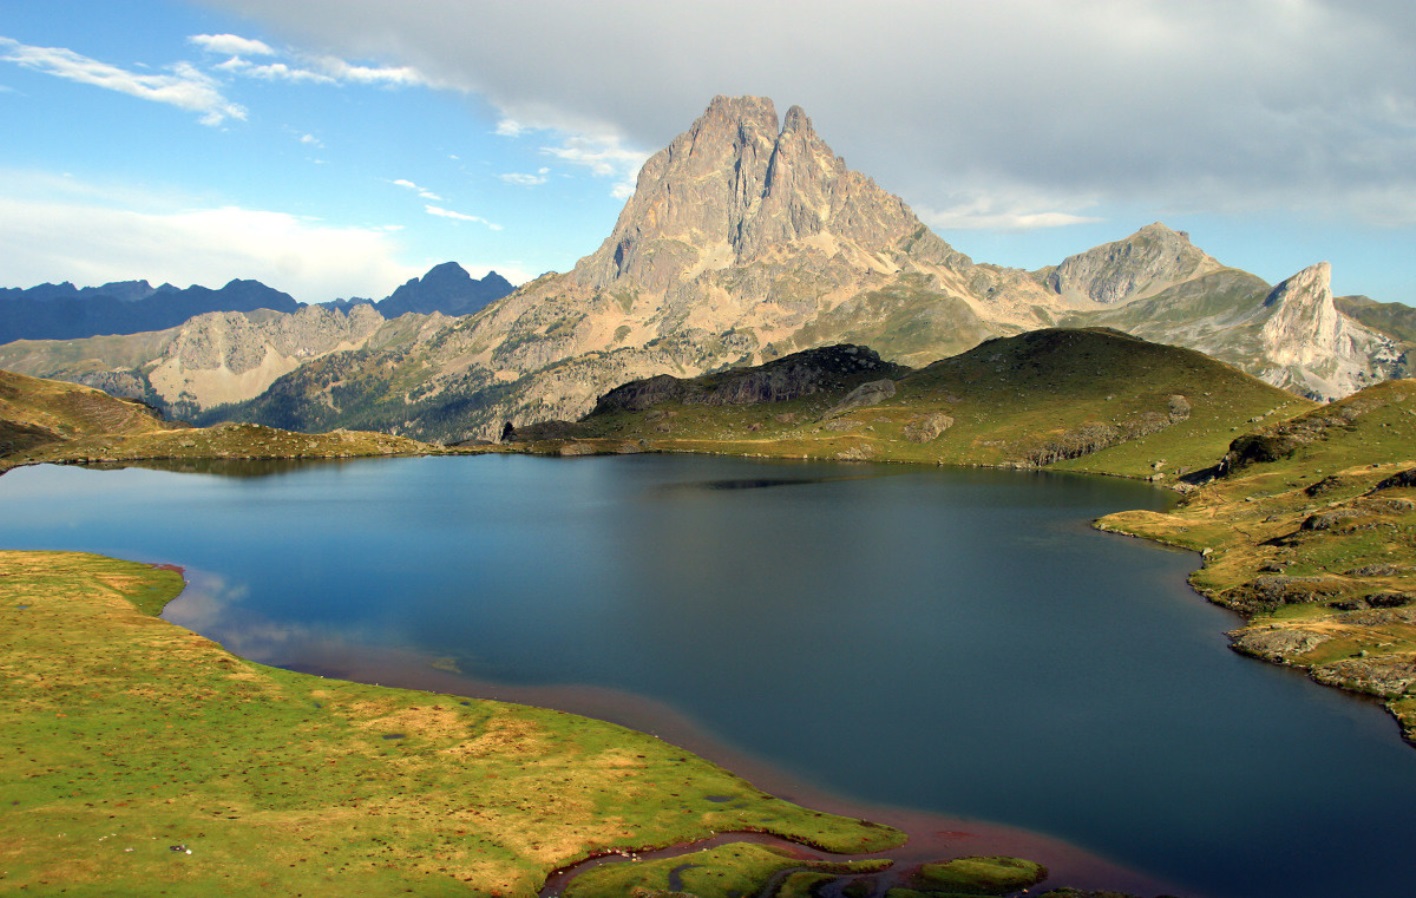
1153,259
746,239
1312,348
229,357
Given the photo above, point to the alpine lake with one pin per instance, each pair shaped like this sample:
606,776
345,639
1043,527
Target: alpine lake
942,642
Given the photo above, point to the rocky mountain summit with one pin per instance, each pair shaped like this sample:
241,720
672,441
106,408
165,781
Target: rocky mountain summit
1294,335
447,289
1149,261
746,240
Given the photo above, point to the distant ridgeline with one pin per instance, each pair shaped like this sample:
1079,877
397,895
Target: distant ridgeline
746,240
65,312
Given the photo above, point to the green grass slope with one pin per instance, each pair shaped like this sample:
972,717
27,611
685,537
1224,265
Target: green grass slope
54,421
139,759
1086,400
1312,536
36,412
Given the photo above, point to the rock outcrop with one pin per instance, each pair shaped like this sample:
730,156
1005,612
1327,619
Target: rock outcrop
1312,348
1153,259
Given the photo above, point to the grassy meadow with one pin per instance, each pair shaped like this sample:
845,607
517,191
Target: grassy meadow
140,758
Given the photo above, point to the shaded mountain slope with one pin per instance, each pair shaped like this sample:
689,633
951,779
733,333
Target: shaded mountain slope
446,288
64,312
1078,399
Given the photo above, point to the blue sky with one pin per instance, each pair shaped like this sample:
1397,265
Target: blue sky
339,148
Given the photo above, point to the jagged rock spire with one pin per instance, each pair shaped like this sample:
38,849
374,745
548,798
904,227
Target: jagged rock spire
734,186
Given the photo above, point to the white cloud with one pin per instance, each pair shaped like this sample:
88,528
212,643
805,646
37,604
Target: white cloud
307,68
393,76
526,180
91,235
422,192
459,216
231,44
1012,208
311,140
274,71
1255,105
605,156
186,87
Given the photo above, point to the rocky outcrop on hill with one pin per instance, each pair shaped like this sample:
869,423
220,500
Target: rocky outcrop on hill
1312,348
1292,336
1153,259
798,375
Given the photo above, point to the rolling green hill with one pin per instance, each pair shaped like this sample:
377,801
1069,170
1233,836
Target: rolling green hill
1311,535
52,421
1086,400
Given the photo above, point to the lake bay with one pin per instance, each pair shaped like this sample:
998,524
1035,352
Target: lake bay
953,641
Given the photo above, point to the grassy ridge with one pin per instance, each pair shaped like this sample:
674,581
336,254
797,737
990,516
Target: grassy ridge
122,736
1086,400
52,421
1313,539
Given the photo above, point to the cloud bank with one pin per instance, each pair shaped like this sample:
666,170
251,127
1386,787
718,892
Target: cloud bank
1247,106
90,236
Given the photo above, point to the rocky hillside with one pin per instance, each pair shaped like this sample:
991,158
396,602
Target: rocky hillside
1091,400
1153,259
213,359
1311,535
748,239
1293,335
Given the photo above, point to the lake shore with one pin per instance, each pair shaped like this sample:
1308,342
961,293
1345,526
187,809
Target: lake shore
245,777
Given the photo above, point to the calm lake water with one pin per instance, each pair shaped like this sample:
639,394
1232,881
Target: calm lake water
953,641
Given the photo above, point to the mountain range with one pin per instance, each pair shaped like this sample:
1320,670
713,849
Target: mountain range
747,239
65,312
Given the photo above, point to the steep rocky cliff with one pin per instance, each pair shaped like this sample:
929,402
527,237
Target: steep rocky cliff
1153,259
210,360
1312,348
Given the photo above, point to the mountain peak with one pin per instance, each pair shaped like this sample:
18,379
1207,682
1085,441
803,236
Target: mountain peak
446,288
1143,264
737,185
1315,349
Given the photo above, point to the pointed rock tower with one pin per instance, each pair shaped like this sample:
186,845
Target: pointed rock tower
1311,347
737,188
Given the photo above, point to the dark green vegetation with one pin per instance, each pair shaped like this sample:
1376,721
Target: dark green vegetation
1311,535
50,421
1085,400
125,742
